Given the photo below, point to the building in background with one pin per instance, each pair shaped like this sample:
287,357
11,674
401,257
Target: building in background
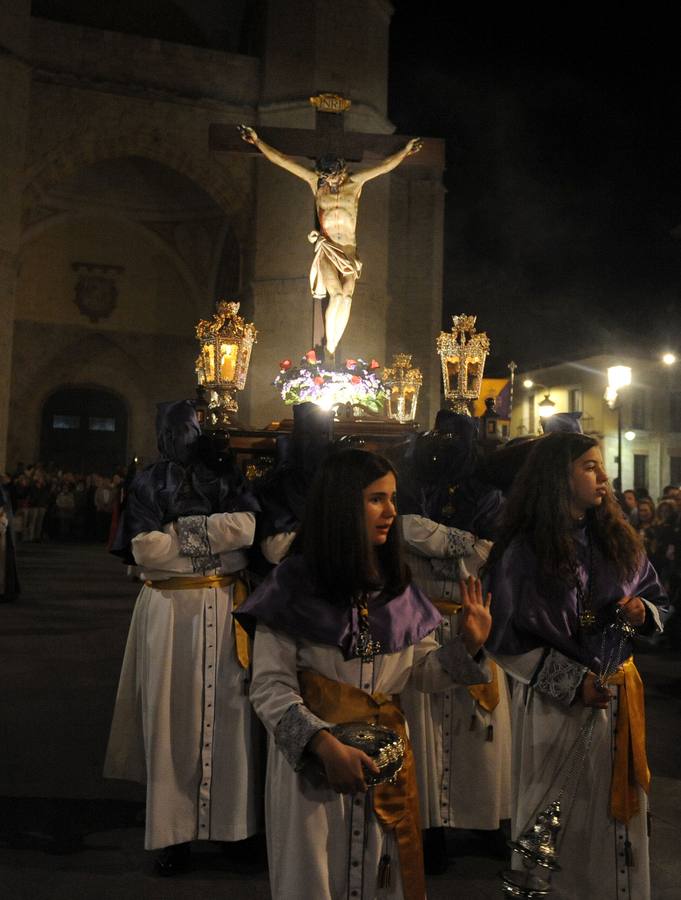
120,228
650,413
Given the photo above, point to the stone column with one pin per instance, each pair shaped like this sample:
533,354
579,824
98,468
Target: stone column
15,78
414,317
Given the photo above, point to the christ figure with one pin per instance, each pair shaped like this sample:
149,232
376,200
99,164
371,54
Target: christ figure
336,266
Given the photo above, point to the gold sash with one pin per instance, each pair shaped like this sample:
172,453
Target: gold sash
485,695
186,583
631,764
396,805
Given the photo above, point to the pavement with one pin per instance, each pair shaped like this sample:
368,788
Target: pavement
68,834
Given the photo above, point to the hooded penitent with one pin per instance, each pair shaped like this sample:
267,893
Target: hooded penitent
283,493
563,421
180,483
437,477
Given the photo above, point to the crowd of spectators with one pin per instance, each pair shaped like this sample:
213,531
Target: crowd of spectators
659,524
50,503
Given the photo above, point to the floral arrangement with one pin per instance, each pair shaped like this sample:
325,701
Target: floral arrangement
357,382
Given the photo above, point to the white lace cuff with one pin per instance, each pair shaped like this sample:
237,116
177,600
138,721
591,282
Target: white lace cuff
560,677
294,731
192,532
459,543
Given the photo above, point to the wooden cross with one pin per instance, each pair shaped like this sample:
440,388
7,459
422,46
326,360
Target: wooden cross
328,138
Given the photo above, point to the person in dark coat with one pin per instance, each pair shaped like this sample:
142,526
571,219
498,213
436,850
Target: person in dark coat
9,579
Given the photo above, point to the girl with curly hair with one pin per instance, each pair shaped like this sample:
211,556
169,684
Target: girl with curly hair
565,566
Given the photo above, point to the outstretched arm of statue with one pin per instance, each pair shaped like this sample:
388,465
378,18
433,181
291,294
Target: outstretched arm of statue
390,162
250,135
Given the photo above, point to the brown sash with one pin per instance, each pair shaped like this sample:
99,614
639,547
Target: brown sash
187,583
630,767
396,805
485,695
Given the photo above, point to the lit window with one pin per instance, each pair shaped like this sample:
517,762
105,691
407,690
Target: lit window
98,423
65,422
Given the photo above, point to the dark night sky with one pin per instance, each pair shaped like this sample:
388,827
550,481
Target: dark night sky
563,132
563,170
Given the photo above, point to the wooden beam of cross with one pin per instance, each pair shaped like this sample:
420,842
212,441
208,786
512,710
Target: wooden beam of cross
328,138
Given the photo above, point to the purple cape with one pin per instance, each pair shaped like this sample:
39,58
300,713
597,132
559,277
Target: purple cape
286,601
530,610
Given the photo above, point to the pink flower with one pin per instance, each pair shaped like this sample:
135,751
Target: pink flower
355,379
350,363
318,379
311,356
285,365
374,364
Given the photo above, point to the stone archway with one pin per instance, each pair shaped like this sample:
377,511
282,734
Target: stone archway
81,149
84,429
97,362
170,212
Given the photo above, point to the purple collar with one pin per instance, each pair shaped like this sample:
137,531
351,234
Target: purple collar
286,602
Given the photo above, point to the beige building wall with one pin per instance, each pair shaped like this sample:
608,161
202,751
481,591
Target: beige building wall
118,176
15,79
648,428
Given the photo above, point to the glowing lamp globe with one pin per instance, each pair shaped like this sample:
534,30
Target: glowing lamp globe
225,342
463,353
547,407
402,383
619,377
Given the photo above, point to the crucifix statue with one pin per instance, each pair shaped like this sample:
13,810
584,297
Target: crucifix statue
335,265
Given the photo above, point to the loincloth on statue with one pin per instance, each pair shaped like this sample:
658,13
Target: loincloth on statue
342,261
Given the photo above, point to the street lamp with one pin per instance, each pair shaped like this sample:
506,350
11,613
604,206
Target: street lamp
618,377
668,359
546,407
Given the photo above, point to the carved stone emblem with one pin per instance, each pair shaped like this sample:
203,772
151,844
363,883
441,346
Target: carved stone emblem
96,289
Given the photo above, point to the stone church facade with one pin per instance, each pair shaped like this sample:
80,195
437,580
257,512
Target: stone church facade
120,227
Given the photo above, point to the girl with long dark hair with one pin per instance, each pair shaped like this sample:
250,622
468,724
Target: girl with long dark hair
340,632
566,564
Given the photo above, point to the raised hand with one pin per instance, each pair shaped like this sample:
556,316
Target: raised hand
413,146
248,134
344,766
476,619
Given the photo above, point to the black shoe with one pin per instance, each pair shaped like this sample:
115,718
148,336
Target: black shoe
246,855
435,860
173,860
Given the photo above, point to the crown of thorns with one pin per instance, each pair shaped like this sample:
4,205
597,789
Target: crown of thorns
330,165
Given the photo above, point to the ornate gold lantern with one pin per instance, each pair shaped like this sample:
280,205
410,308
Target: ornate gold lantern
463,353
402,384
222,365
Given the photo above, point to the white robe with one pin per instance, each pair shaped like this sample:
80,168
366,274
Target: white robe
321,844
592,849
183,723
464,779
